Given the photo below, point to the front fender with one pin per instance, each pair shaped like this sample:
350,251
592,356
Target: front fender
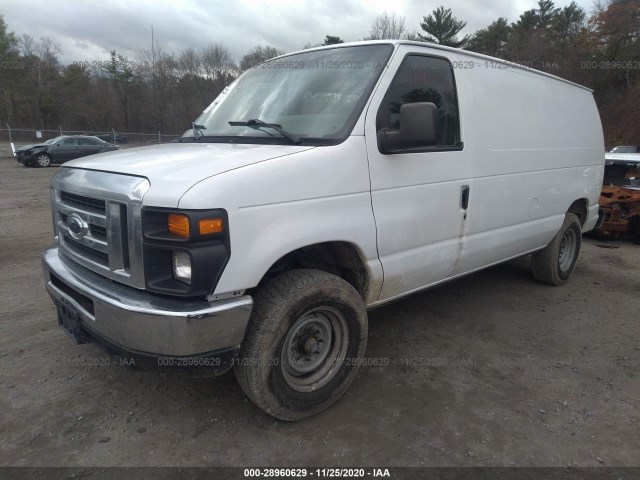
290,202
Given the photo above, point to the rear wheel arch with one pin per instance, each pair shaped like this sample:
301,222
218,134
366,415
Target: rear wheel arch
580,209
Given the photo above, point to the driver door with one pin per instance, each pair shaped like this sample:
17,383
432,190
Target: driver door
420,197
65,149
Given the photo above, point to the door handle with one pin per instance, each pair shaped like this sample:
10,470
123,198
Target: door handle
464,197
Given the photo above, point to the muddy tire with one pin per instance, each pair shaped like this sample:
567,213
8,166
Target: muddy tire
304,343
554,263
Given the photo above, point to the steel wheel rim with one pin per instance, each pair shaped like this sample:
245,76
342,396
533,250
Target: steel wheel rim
314,349
43,160
567,250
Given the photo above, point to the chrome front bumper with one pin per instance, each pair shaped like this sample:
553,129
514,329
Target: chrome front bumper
140,322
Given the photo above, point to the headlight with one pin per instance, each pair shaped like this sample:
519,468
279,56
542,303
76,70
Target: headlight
182,267
184,251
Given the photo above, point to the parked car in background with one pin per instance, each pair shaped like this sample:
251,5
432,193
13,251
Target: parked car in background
61,149
626,149
18,152
113,138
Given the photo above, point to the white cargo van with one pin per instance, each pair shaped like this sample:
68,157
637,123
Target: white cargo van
319,185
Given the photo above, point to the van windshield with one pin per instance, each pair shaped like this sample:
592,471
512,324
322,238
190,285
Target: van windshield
313,97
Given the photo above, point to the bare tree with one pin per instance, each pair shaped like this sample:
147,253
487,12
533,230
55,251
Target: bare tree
42,71
387,26
259,54
216,61
189,62
26,44
9,79
191,93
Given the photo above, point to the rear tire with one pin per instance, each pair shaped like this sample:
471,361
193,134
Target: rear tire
304,343
553,264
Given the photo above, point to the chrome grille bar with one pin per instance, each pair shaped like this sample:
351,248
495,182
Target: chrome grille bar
89,217
110,205
116,243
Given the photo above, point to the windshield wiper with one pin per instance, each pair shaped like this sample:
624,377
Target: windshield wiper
257,123
197,130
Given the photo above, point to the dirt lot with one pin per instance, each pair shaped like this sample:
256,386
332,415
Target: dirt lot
505,372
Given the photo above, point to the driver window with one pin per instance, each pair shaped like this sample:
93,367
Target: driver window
423,79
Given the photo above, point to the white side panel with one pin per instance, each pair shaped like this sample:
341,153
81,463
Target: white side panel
533,146
515,213
518,111
539,149
290,202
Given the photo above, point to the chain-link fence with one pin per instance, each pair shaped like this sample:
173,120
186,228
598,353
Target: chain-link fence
25,136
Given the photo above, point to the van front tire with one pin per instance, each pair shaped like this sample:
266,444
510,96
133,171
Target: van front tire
554,263
304,343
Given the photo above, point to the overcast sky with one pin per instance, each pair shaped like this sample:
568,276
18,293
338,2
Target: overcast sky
87,30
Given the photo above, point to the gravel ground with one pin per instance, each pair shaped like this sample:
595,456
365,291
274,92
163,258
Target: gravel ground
490,370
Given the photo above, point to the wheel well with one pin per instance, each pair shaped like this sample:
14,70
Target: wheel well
579,207
338,258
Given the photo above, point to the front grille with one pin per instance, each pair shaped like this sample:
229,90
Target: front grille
109,208
95,255
94,246
82,202
99,232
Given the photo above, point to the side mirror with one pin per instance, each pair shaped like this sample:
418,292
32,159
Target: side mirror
419,125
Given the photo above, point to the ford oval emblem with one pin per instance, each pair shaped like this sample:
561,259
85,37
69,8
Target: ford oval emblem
77,226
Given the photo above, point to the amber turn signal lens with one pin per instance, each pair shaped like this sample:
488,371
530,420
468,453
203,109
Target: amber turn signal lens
178,225
210,225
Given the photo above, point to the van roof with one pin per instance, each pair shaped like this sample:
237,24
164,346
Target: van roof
435,46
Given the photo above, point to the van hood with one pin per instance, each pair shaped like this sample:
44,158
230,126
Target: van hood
173,168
